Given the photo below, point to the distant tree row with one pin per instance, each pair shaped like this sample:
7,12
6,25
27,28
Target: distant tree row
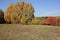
23,13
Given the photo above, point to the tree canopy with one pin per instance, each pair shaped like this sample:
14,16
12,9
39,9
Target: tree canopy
20,12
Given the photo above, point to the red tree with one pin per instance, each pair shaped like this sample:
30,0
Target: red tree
51,21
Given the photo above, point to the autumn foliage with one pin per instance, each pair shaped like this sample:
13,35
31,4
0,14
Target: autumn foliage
58,18
36,21
51,21
2,21
23,13
20,12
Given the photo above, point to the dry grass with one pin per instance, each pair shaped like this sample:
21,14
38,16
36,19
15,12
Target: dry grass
29,32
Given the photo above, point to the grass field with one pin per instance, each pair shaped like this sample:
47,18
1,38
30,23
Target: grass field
29,32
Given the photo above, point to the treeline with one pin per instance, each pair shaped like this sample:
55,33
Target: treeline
23,13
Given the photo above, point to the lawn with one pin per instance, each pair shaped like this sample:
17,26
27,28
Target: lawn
29,32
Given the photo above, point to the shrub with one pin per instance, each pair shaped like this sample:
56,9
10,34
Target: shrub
51,21
58,18
36,21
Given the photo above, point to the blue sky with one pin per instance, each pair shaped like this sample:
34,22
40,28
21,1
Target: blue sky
42,7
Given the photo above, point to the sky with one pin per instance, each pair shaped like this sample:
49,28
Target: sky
41,7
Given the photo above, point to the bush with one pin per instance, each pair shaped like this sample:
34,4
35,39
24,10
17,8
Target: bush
36,21
51,21
58,18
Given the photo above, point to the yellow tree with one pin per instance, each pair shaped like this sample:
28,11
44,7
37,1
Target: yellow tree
8,12
19,13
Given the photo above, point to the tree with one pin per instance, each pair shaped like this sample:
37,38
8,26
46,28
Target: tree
2,21
19,13
51,21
